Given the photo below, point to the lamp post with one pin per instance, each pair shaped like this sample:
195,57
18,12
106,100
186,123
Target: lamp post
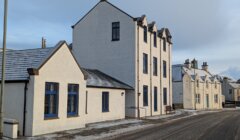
3,66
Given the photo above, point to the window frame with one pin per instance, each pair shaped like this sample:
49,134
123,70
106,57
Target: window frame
164,69
216,98
145,34
76,105
198,98
116,31
165,98
155,66
105,109
47,94
145,96
164,44
155,39
155,92
145,63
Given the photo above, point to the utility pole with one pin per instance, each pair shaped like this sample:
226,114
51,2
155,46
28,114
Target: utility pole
3,66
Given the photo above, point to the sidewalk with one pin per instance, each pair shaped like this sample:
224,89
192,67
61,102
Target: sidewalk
108,129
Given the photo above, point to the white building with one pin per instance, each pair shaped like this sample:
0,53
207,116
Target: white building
130,49
231,89
195,88
47,91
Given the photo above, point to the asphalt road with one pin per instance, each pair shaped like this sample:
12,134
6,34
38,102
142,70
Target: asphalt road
214,126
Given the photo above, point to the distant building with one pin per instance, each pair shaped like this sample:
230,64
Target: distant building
231,89
195,88
130,49
47,91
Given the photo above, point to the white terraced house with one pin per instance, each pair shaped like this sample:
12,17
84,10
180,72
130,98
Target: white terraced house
47,91
130,49
195,88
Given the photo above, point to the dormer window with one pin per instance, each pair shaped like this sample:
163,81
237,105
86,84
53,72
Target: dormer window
216,85
155,39
145,33
164,45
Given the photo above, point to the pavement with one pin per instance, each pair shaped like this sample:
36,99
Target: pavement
224,125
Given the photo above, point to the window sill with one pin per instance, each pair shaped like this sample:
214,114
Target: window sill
51,118
113,40
73,116
105,111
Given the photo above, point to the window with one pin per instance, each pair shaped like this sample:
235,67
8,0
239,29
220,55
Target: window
215,85
207,84
145,95
51,100
72,104
145,33
164,45
230,91
165,96
164,69
155,99
105,102
115,31
197,98
216,98
155,67
145,63
155,39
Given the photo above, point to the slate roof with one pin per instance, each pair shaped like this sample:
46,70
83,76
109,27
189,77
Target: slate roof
18,61
96,78
235,85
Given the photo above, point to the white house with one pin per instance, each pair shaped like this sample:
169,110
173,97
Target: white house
130,49
196,88
47,91
231,89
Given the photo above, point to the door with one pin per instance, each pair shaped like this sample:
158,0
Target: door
207,100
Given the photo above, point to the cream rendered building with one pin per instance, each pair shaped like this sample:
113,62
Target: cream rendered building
47,91
130,49
231,89
195,88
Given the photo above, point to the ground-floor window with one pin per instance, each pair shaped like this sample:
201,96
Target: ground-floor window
105,102
51,100
72,104
165,96
155,99
216,98
198,98
145,95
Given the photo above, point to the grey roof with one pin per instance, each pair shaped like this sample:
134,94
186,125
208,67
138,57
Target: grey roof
96,78
18,61
235,85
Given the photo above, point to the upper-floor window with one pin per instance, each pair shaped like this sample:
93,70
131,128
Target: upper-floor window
207,84
164,69
155,39
164,96
198,98
115,31
72,104
145,63
155,66
105,102
164,44
216,85
51,100
145,95
197,83
145,33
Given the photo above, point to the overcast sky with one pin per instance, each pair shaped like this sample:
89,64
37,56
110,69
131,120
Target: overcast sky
208,30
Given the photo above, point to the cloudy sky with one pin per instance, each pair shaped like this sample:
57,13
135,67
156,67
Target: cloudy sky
208,30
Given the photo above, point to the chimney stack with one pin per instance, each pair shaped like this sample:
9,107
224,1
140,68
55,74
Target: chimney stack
205,66
43,43
194,64
187,64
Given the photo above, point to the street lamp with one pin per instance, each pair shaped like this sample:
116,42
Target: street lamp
3,66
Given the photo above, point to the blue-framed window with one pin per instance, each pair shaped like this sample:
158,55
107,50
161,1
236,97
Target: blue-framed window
145,95
164,69
155,99
105,102
145,30
51,100
155,39
165,96
145,63
72,102
164,45
155,66
115,31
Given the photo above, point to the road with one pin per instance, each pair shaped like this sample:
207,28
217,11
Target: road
214,126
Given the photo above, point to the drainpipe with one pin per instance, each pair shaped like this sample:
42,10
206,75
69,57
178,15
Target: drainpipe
151,73
203,93
25,107
161,79
169,63
138,94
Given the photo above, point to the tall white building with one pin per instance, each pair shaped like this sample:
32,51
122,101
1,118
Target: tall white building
131,49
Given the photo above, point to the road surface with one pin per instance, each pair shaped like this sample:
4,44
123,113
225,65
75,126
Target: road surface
214,126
